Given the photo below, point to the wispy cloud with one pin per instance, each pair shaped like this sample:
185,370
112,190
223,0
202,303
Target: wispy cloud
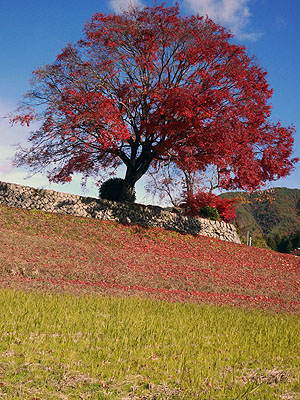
5,167
120,5
280,23
11,135
234,14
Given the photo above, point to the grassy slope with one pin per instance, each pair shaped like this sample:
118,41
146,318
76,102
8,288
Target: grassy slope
45,250
56,346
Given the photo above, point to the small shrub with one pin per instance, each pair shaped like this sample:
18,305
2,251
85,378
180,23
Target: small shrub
112,190
210,213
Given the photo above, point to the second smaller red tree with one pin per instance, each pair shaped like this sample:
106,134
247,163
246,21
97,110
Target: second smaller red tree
194,203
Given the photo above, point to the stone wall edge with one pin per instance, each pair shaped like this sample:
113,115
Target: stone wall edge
21,196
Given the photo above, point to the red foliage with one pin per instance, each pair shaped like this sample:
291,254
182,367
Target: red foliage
112,259
148,86
194,203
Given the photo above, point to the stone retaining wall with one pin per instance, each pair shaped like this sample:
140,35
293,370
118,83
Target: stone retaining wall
13,195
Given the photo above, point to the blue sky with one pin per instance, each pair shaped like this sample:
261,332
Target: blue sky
33,32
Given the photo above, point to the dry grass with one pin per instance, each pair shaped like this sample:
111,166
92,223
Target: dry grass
60,340
44,250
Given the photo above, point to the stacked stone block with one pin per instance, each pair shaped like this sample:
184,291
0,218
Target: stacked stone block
13,195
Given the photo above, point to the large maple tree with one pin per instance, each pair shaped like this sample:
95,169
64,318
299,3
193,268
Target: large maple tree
149,87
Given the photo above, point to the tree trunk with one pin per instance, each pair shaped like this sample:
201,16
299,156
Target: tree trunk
128,192
136,168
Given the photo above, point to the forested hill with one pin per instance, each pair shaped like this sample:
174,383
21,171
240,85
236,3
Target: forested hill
280,216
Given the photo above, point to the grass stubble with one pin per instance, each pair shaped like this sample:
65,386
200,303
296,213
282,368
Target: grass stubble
85,346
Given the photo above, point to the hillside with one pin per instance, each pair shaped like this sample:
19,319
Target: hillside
281,216
45,251
82,315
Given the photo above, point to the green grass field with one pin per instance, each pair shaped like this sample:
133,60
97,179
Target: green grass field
83,314
58,346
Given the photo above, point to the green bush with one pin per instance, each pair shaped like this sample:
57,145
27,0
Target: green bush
210,213
112,190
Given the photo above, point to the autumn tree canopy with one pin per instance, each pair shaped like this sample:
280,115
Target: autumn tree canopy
149,87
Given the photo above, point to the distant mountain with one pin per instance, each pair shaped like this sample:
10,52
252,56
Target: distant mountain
261,217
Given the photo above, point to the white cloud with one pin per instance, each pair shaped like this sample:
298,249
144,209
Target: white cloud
234,14
120,5
5,168
10,135
280,23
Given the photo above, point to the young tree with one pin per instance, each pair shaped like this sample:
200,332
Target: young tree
147,86
174,184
